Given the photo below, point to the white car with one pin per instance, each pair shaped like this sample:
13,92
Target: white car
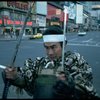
81,33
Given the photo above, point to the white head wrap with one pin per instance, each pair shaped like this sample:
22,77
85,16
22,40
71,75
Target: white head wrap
53,38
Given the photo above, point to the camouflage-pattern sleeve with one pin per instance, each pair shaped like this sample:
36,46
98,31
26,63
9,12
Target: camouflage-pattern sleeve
81,72
29,73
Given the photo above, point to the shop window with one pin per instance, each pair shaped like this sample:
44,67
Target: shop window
7,30
27,31
17,31
85,20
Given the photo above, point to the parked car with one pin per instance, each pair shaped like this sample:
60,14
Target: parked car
36,36
81,33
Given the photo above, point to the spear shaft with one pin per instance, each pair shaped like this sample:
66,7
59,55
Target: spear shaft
64,32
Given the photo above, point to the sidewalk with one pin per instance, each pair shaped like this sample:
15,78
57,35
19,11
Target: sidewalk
6,38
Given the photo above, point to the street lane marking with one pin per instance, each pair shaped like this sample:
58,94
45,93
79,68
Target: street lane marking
73,39
83,45
77,44
88,40
98,43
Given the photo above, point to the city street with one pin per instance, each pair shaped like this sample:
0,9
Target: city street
88,46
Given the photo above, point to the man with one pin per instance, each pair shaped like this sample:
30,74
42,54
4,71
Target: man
45,77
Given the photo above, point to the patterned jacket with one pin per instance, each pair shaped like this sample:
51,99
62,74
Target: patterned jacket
75,67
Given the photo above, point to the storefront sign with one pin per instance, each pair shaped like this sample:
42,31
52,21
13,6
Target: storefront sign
58,11
17,4
72,10
0,21
79,14
41,20
9,22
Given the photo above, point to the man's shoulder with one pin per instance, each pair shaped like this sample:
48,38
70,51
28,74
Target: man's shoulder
75,56
72,54
40,58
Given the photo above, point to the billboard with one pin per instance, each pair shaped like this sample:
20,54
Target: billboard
41,20
41,7
71,10
79,14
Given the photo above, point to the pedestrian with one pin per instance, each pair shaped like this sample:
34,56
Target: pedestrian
46,78
17,34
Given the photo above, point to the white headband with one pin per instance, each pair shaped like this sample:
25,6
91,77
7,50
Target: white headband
53,38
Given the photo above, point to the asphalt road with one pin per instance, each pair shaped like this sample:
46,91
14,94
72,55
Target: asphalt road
88,46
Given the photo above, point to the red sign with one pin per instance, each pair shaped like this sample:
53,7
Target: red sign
29,23
9,22
21,22
15,22
0,21
53,11
62,18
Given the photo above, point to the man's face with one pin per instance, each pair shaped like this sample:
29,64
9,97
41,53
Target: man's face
53,50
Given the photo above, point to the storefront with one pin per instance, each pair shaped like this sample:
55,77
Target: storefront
10,25
12,18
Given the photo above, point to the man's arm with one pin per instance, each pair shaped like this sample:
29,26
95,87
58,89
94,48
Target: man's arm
83,76
21,76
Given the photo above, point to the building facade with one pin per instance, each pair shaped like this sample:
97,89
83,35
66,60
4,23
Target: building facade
13,13
39,17
96,13
12,16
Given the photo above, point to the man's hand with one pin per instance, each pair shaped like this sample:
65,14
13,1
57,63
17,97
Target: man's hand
64,86
10,73
61,76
